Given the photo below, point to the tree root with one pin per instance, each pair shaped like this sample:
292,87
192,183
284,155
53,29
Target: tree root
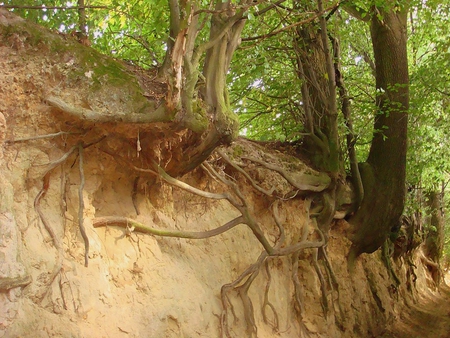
81,206
298,294
267,304
303,181
386,258
125,222
159,172
252,271
148,116
39,137
134,195
37,206
433,267
241,204
246,175
252,329
237,199
411,276
323,284
55,239
334,285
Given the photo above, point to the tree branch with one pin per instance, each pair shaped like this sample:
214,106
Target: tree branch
299,23
53,7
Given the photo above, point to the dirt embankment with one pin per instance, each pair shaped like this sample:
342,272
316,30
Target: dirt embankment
141,285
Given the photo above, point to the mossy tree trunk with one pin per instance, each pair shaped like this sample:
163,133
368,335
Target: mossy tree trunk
315,68
434,242
383,174
196,73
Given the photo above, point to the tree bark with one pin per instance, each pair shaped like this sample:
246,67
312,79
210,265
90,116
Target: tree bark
384,172
314,63
315,68
350,136
197,92
434,242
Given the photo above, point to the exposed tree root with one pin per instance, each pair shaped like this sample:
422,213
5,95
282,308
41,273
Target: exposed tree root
149,116
252,329
275,323
334,285
311,236
308,238
298,294
37,205
411,276
433,267
386,258
241,204
250,273
323,284
39,137
81,206
134,195
247,176
302,181
298,290
159,172
55,239
125,222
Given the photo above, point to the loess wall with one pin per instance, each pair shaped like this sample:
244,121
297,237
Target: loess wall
138,285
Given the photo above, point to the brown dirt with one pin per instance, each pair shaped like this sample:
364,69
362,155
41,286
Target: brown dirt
428,317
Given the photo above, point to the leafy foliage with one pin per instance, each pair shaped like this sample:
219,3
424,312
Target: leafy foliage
136,31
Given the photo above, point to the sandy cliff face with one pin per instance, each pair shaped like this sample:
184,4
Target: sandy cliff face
139,285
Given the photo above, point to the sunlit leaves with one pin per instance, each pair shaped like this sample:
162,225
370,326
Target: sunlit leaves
429,155
134,30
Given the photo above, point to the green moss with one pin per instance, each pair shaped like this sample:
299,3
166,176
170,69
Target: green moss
197,121
105,69
237,151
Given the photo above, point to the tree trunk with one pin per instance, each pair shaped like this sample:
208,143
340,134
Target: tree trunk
434,242
198,94
314,65
383,174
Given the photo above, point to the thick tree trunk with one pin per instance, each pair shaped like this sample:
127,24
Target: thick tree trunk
384,172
